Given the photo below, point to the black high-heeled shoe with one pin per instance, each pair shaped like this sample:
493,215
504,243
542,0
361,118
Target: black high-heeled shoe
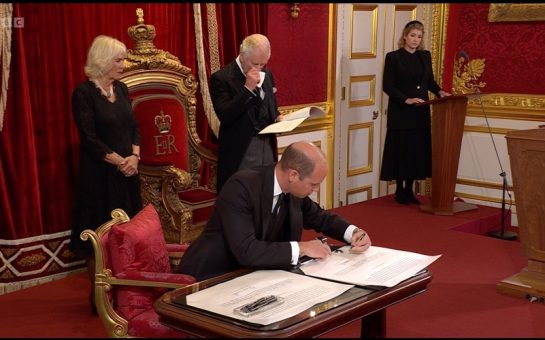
411,198
401,198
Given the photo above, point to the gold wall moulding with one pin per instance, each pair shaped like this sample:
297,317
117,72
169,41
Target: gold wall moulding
516,12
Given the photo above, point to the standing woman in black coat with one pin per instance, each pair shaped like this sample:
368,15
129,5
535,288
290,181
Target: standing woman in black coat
408,76
109,146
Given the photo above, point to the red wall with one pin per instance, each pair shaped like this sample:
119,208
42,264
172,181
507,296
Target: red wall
299,52
514,52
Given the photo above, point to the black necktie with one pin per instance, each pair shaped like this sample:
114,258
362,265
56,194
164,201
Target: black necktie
279,202
259,92
274,227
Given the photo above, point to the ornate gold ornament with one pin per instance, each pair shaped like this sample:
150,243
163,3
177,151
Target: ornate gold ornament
294,10
466,74
516,12
146,55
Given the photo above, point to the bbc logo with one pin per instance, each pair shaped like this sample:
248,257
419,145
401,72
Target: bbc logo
16,22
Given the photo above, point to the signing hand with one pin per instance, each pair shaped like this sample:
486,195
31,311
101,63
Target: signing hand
360,241
315,249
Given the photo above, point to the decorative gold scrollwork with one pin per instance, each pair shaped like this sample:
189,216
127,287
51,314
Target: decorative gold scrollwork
466,73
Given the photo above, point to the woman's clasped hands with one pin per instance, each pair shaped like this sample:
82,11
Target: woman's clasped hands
129,166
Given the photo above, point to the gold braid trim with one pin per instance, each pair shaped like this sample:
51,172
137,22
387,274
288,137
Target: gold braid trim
213,120
213,37
6,13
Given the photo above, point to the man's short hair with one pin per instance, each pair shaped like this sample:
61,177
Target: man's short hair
251,42
294,158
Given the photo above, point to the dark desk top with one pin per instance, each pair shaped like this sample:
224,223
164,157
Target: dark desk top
352,305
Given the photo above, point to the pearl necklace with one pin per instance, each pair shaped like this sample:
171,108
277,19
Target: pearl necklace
107,94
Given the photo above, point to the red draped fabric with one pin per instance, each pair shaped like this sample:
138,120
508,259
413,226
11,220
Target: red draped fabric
451,47
233,22
39,141
236,21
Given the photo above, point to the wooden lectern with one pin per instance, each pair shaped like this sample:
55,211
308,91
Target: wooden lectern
447,128
527,156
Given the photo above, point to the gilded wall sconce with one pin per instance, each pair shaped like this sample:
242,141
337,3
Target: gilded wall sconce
294,10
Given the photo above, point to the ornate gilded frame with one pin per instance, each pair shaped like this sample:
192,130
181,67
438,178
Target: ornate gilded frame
516,12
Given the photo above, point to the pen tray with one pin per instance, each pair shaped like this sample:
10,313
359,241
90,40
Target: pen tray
242,309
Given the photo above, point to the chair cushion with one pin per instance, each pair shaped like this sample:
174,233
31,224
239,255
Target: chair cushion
200,201
138,245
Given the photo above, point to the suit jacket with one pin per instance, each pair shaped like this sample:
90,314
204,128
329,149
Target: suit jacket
242,116
400,82
239,234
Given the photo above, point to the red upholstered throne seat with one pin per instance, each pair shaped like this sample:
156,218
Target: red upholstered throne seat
133,269
177,169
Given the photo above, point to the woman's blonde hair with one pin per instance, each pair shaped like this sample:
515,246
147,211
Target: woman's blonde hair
103,51
412,25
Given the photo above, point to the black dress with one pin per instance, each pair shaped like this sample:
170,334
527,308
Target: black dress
407,147
103,127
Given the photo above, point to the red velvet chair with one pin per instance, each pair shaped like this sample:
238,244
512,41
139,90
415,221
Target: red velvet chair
132,271
163,98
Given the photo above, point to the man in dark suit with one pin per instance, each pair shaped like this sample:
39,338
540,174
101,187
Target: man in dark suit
243,97
244,231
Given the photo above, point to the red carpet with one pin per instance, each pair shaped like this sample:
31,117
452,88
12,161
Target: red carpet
461,300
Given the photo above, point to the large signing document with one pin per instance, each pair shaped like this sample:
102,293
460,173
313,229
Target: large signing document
296,293
375,267
293,119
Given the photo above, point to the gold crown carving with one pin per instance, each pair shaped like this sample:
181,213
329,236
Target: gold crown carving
146,55
163,122
142,34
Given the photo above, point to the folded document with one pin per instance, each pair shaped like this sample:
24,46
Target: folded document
376,266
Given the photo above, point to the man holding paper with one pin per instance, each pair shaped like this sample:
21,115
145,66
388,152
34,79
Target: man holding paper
243,96
248,228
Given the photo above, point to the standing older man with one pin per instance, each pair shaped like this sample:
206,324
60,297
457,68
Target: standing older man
246,231
245,104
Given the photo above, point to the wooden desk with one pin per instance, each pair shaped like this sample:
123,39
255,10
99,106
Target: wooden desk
354,304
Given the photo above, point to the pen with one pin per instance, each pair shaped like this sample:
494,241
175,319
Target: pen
259,303
360,237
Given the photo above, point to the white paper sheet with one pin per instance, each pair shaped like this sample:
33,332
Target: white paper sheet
375,267
293,120
299,293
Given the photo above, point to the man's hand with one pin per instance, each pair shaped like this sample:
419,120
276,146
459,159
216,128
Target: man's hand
360,241
252,78
315,249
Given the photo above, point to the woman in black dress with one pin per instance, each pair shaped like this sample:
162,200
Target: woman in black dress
408,76
109,148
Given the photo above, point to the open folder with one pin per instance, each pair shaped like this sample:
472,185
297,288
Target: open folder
377,266
293,120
